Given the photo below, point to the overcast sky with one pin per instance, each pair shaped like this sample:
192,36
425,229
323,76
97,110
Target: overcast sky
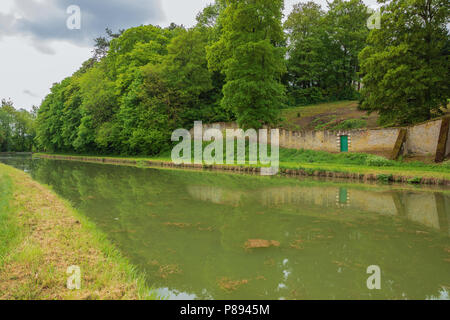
37,49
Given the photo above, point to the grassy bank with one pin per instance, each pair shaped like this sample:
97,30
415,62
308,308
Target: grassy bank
41,236
317,163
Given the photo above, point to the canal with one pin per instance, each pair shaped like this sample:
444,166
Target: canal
212,235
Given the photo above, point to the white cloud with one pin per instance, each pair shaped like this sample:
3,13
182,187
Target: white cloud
23,68
44,22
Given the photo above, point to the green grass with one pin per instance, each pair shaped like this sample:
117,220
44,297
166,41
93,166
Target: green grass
293,114
335,124
358,159
360,163
316,109
334,162
9,230
398,171
65,237
132,274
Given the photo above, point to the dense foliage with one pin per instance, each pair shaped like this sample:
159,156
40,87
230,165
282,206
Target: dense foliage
151,81
17,130
239,64
323,50
250,52
406,64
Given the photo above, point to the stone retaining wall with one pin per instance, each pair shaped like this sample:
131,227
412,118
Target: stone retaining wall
421,139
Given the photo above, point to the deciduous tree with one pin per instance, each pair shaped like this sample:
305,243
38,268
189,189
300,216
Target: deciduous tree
406,62
250,53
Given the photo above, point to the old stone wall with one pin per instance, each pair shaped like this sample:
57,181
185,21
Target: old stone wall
421,140
447,149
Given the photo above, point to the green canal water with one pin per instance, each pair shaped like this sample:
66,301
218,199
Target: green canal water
193,233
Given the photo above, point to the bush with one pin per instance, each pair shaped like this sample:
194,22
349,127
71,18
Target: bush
377,161
415,180
385,178
446,164
351,124
307,96
336,124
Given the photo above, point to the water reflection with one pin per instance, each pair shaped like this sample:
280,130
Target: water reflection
427,208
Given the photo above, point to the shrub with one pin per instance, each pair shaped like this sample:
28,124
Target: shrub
335,124
350,124
446,164
385,178
377,161
141,163
415,180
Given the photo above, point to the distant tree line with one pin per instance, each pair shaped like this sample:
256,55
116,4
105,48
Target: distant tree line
241,63
323,48
17,128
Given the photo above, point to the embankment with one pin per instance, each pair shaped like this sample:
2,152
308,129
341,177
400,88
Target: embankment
323,170
42,236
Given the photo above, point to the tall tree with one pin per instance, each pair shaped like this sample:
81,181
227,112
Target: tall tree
250,53
307,57
103,43
406,62
346,24
209,15
17,130
323,50
185,69
6,125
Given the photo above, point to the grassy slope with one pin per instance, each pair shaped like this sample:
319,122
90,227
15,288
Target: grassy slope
41,235
309,117
360,163
8,222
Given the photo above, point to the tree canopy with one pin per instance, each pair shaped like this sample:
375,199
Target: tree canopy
323,50
406,62
17,129
250,53
241,63
141,84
